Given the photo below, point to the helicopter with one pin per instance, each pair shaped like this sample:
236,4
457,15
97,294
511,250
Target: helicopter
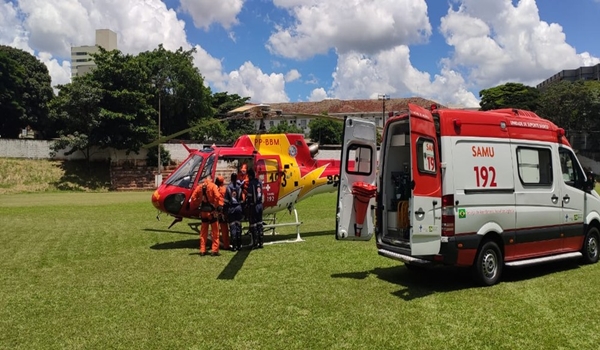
284,163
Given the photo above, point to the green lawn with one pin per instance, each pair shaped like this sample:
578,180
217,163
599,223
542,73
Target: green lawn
98,271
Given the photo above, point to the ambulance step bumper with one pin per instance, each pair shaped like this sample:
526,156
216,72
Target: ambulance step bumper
544,259
401,257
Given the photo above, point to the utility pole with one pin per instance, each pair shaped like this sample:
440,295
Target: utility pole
159,165
383,97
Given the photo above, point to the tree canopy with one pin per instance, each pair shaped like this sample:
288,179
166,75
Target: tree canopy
172,77
25,91
509,95
105,108
572,105
284,127
326,131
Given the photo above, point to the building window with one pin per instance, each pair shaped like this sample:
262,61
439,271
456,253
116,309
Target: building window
303,123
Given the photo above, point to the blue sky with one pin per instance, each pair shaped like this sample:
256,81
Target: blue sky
300,50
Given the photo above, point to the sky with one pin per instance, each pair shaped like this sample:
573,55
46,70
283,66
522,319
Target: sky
310,50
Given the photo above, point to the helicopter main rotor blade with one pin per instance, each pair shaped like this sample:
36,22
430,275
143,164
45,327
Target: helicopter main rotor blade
164,139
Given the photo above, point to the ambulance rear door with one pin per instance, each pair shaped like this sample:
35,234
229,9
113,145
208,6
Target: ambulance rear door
426,200
358,175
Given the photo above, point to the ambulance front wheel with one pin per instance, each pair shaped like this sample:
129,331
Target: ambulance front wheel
590,246
488,264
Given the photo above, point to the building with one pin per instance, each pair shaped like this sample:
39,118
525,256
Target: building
81,61
581,73
301,113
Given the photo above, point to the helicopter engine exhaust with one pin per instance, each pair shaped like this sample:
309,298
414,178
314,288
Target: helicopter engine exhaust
313,149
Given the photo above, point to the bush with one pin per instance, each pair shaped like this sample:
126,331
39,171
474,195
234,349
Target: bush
152,157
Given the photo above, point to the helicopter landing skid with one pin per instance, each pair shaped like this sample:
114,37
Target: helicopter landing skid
296,223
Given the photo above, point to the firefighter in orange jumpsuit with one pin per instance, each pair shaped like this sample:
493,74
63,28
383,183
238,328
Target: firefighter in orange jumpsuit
223,225
208,197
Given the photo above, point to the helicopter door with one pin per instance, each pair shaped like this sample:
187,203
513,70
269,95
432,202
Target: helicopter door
426,200
268,171
356,192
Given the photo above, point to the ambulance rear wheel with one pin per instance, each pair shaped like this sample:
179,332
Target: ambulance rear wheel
590,246
488,264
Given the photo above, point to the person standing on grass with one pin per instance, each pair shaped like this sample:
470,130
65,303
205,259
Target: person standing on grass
209,199
254,199
233,202
224,228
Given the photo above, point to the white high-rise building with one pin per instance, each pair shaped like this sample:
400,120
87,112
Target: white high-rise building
81,61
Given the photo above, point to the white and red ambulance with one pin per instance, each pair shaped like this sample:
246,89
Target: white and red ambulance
467,188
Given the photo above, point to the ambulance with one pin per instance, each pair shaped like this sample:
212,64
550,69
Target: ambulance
478,189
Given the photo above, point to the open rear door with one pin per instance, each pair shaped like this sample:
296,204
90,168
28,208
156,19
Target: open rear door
426,200
358,174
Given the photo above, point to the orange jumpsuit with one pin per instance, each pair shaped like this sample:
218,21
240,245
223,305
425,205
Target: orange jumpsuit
224,226
208,197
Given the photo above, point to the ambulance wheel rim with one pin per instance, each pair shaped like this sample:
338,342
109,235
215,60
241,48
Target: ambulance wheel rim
592,246
489,264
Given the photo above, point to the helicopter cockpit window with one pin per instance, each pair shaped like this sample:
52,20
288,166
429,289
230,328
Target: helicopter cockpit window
208,167
184,176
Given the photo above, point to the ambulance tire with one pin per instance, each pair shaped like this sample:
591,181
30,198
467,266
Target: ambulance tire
488,264
590,246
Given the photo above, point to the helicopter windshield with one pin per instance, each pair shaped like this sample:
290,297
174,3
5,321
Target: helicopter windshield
208,167
184,176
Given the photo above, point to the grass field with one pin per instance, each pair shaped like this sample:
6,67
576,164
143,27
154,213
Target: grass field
98,271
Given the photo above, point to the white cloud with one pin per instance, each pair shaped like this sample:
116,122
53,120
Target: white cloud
318,94
292,75
60,72
362,76
48,29
354,25
250,81
497,42
206,12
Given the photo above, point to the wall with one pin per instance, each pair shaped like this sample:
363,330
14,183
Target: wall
40,149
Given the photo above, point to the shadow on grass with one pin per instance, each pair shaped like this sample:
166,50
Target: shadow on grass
422,282
235,264
185,244
170,231
80,175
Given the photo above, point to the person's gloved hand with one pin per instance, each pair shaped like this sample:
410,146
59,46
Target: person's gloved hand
220,209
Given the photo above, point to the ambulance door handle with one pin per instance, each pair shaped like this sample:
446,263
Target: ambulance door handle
566,198
420,213
554,199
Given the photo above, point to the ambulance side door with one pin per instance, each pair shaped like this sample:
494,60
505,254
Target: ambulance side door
358,166
572,200
426,198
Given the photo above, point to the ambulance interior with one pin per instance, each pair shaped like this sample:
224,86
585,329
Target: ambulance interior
396,183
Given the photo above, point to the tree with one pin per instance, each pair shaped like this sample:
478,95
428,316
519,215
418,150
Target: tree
25,91
571,105
326,131
222,102
213,129
77,109
107,107
284,127
509,95
173,79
